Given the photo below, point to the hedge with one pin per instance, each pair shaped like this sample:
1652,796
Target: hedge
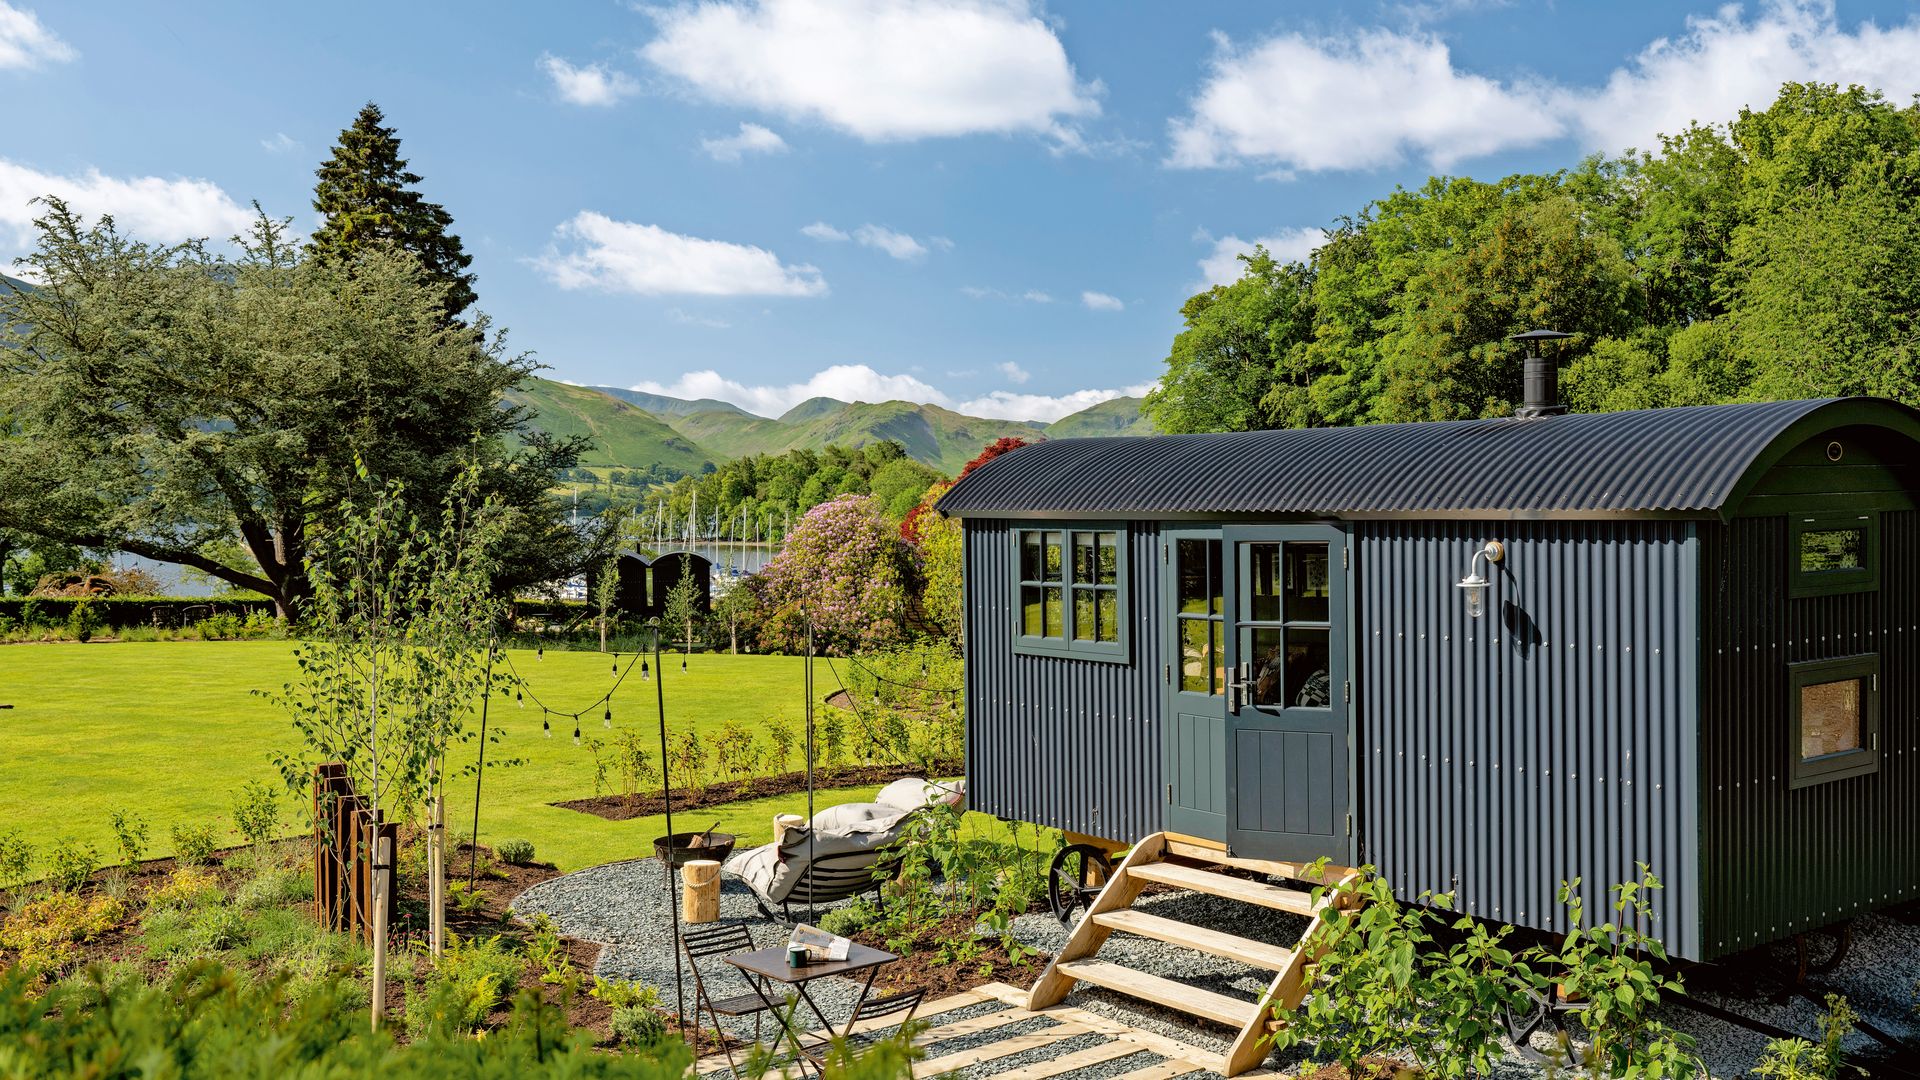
119,612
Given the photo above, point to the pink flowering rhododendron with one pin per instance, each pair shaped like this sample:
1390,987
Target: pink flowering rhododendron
844,569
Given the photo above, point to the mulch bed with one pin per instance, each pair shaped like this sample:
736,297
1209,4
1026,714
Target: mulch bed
922,968
620,808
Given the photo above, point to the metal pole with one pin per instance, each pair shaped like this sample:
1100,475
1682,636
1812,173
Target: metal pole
666,865
480,770
809,685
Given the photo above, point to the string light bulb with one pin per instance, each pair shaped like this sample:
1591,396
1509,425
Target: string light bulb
608,720
519,700
540,653
644,676
576,729
545,725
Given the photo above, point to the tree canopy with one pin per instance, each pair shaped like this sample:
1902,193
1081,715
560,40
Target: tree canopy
1776,256
366,197
165,400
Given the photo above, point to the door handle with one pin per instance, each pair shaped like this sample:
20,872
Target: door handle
1237,687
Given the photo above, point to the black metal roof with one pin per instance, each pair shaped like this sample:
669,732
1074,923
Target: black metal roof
1696,461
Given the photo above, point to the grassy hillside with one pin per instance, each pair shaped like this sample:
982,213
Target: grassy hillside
933,436
734,434
623,434
664,407
1121,416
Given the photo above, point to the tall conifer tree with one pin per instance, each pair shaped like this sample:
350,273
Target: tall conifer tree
367,195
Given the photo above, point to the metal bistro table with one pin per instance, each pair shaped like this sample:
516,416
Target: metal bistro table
765,967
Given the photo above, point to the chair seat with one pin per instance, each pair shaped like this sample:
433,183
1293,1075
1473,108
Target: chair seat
740,1005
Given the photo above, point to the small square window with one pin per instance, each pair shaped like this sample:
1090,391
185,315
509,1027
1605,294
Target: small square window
1071,592
1833,553
1836,719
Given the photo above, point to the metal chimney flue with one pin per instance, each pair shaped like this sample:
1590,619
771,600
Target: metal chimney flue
1540,377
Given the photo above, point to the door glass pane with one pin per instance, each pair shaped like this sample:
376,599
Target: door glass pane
1192,576
1107,569
1832,549
1309,672
1109,615
1263,583
1196,659
1084,627
1306,583
1219,656
1267,686
1829,718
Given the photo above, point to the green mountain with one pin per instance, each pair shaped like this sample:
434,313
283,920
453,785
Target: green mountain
662,406
623,434
636,430
1120,416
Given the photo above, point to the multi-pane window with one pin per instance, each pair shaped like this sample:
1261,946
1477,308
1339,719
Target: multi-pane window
1833,553
1836,719
1200,616
1071,592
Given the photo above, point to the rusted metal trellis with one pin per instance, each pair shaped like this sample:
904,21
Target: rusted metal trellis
346,837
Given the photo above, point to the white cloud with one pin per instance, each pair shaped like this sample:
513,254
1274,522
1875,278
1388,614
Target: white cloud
859,382
1360,101
625,256
147,207
281,143
820,230
591,84
681,315
1045,408
1291,103
844,382
1099,301
1015,374
1222,265
1725,61
1035,296
752,139
880,70
897,244
25,44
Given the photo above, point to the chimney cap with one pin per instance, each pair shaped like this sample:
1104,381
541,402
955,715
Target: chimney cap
1539,335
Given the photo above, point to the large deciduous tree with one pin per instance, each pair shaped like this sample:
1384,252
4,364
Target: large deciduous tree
366,197
844,570
164,400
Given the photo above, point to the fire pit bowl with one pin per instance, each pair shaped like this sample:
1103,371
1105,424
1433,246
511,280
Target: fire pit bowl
684,847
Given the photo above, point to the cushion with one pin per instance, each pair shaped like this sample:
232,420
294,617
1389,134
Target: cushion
842,817
913,792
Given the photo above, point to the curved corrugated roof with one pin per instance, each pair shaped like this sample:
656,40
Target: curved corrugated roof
1693,461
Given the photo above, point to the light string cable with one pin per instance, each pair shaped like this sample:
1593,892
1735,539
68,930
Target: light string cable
875,737
547,712
854,663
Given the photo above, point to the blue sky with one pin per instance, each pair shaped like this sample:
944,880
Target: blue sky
993,204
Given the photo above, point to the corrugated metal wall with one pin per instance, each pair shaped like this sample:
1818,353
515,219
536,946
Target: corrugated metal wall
1552,739
1074,744
1780,861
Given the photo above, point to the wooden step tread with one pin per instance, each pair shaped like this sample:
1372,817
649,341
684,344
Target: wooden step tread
1232,888
1173,931
1233,1012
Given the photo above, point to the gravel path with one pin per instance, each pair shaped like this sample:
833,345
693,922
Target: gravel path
624,906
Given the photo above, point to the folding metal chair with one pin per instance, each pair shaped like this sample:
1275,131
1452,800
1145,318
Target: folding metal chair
722,940
902,1004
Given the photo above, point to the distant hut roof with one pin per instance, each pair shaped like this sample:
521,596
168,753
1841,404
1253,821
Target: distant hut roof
1696,461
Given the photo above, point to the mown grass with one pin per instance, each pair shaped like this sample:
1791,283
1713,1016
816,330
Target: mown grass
169,730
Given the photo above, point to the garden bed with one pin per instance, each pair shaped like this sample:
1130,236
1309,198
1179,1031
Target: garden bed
622,808
924,968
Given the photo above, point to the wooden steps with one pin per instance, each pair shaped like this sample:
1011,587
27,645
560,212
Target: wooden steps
1257,893
1233,1012
1174,932
1163,859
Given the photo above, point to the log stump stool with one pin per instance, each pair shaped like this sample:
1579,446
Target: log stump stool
700,893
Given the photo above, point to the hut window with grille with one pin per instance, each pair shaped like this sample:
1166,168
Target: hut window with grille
1833,553
1836,719
1070,595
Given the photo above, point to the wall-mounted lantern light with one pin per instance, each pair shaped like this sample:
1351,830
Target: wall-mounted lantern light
1474,585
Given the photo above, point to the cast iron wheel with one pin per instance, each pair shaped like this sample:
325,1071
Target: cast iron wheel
1548,1017
1807,962
1077,875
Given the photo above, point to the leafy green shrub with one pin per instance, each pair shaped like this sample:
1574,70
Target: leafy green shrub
221,626
216,927
623,767
549,953
130,834
83,622
272,889
471,978
1607,966
849,919
16,858
465,899
206,1023
622,994
1798,1059
516,852
45,934
70,863
256,813
638,1026
193,843
189,887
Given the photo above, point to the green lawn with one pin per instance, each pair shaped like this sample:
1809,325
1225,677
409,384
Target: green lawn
169,730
